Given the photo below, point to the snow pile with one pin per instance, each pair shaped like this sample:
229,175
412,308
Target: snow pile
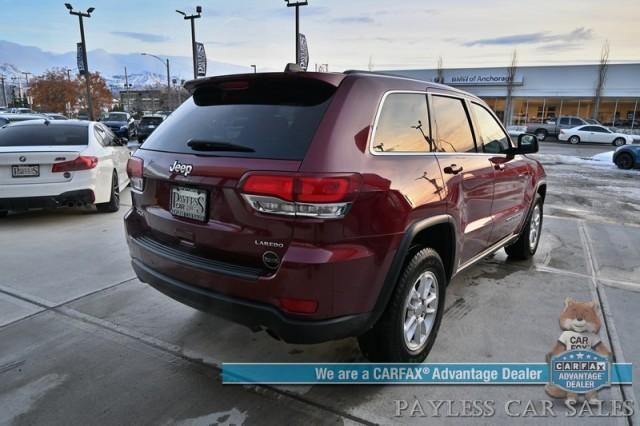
604,156
600,160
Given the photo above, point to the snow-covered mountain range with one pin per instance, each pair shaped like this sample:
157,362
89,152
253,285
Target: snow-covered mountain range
143,71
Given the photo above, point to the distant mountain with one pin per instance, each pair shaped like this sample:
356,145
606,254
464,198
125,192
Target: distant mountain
143,70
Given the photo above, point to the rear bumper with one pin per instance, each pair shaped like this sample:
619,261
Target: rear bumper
253,314
83,196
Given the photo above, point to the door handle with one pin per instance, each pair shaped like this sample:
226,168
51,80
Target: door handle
453,169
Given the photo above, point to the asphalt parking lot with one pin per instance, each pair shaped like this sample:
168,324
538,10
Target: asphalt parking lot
83,342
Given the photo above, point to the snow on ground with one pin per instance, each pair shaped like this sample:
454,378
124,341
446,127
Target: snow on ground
591,188
604,159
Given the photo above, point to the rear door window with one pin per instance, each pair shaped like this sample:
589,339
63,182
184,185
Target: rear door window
269,118
43,135
403,124
453,130
494,139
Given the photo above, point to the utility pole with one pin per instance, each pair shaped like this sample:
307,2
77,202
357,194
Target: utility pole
87,75
4,93
126,86
192,18
166,62
26,87
297,5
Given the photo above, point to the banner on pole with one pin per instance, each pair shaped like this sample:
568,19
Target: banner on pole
201,60
82,69
303,54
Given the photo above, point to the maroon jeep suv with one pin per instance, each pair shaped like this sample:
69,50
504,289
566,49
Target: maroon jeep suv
320,206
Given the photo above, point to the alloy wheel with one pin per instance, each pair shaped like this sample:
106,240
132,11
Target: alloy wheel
534,227
420,310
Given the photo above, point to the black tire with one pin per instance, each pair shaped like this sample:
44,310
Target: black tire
619,142
574,140
541,134
386,341
523,248
624,160
114,201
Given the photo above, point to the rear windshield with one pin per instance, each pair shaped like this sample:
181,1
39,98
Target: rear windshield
274,119
145,121
43,135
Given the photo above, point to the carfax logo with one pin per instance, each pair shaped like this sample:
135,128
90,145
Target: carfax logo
579,361
580,371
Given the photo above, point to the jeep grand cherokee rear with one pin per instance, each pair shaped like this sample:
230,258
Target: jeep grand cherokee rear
262,200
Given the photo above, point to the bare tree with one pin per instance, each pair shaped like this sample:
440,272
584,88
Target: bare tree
602,77
511,78
439,71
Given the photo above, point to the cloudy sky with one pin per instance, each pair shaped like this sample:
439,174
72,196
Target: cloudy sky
343,33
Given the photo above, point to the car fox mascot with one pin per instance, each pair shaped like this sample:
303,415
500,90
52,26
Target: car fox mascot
580,324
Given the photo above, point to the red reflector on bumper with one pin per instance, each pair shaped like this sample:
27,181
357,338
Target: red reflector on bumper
299,306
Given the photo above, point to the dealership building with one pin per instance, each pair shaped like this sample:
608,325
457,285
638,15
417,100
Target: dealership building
546,92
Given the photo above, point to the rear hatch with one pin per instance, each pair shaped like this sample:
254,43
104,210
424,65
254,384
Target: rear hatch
28,151
229,127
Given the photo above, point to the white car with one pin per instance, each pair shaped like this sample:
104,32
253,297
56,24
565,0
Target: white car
594,133
47,164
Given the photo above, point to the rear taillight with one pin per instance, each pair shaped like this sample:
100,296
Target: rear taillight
561,131
326,197
135,167
83,162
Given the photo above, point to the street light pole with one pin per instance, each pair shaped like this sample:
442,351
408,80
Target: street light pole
165,61
87,76
255,70
297,5
192,18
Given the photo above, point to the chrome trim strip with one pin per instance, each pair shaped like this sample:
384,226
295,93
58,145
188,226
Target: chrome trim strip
497,246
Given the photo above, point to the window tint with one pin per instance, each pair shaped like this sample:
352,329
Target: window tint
453,132
564,120
42,135
599,129
576,122
274,119
586,128
154,121
493,138
403,125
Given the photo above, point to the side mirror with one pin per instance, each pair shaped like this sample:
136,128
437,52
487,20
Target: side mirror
527,144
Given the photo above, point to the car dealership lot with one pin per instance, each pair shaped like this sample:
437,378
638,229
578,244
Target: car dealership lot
78,331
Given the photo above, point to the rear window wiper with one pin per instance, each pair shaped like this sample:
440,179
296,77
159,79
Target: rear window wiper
204,145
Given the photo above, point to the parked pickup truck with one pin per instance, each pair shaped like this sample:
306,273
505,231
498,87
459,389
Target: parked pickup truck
552,128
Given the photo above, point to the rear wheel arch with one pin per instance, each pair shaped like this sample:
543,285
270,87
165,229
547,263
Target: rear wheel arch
440,231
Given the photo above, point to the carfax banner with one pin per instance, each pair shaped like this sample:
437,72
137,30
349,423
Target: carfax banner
581,374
